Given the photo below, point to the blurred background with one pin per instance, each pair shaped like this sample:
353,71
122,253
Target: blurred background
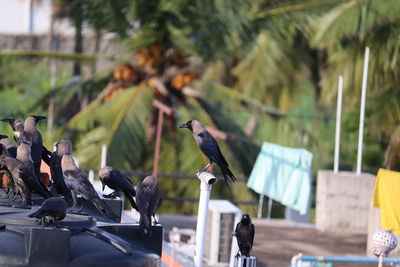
257,70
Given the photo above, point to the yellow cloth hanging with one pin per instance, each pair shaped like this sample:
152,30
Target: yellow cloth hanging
387,198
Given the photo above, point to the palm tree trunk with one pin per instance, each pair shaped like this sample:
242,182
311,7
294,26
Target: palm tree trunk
93,69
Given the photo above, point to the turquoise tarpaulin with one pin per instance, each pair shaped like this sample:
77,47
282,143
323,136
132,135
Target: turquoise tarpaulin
283,174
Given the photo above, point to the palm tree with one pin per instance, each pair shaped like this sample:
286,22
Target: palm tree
264,67
344,32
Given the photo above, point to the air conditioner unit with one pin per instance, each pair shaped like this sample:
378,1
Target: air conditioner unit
220,246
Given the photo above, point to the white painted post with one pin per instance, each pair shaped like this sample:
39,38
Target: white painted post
201,223
269,208
362,111
207,179
260,206
245,261
103,155
338,122
91,176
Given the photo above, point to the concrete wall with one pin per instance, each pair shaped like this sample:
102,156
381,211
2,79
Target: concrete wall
108,46
343,201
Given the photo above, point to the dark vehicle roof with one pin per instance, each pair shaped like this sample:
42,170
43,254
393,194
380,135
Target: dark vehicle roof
78,240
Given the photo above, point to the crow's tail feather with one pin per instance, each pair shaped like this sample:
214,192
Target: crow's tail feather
103,208
145,223
131,200
228,175
34,214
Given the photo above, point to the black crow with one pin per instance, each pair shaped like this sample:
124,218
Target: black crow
36,140
147,197
18,127
115,180
63,147
24,155
24,179
244,233
209,146
78,183
55,207
11,148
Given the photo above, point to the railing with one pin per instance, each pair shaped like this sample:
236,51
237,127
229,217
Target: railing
245,261
298,259
188,176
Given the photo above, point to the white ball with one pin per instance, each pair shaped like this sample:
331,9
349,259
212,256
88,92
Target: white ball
383,242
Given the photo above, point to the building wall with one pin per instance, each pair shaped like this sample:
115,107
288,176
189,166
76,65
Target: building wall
343,201
30,17
16,16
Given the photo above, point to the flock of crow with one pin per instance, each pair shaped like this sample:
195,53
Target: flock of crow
20,169
20,166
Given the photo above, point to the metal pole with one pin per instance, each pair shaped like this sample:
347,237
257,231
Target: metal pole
260,206
207,179
362,110
269,208
103,156
161,110
158,142
380,260
201,223
50,110
338,121
31,17
54,46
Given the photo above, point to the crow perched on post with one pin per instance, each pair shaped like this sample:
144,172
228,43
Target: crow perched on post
209,146
78,183
244,233
115,180
147,197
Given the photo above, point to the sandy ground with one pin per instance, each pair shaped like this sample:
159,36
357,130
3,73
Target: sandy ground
277,241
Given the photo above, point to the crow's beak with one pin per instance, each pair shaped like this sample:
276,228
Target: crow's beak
104,186
7,120
2,136
183,125
38,118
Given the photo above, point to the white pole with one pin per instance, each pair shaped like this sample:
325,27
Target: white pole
260,206
103,156
207,179
338,122
269,208
201,223
91,176
362,111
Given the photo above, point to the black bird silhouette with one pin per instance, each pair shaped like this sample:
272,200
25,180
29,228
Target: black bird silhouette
35,139
147,197
244,233
115,180
18,127
55,207
209,146
11,148
78,183
63,147
23,178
